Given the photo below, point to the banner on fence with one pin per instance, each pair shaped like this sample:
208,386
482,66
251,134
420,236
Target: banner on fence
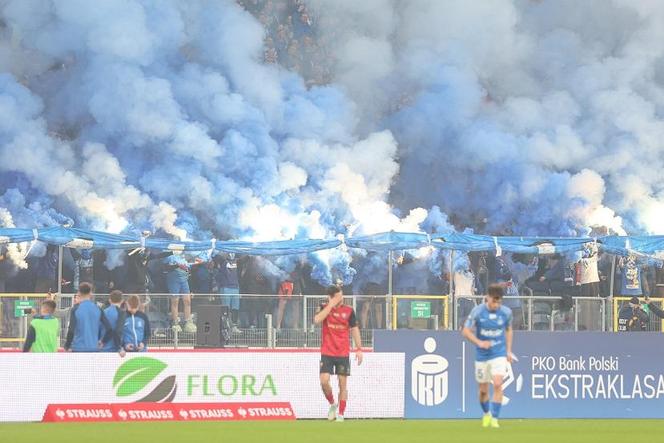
255,382
554,375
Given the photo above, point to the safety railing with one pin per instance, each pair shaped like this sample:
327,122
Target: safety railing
287,321
15,313
551,313
261,320
655,324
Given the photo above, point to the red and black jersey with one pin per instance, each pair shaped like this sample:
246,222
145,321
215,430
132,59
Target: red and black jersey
336,331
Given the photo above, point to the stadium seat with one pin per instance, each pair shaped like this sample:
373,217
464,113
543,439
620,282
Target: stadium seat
560,322
541,322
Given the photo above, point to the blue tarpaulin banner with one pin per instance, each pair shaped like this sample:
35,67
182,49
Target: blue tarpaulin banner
85,239
276,247
16,235
523,245
388,241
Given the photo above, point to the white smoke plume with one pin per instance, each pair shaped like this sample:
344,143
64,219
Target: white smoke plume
16,252
161,115
510,116
540,120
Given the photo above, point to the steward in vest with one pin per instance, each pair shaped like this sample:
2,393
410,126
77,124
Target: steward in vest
44,332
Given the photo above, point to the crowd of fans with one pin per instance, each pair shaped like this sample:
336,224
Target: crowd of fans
188,281
291,39
564,277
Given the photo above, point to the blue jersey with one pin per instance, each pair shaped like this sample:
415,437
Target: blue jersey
115,318
630,283
85,323
490,326
173,263
136,330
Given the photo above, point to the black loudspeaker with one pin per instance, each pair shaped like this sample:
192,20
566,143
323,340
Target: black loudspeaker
212,322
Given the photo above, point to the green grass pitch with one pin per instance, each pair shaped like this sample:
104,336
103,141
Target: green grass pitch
382,431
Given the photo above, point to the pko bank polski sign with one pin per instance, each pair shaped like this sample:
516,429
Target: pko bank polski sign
554,375
189,385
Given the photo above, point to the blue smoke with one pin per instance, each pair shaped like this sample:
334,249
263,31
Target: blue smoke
129,115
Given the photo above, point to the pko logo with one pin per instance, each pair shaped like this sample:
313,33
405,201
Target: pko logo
134,375
429,376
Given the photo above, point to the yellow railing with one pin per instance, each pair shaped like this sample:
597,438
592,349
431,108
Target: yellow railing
24,295
618,301
443,298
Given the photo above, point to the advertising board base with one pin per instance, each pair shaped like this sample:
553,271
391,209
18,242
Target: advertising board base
134,412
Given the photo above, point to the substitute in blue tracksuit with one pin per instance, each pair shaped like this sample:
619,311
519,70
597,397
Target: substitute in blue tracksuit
116,317
136,331
85,323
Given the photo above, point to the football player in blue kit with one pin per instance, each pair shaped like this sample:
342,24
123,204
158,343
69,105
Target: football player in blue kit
489,328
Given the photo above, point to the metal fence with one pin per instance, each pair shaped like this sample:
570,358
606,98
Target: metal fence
15,314
550,313
262,320
276,321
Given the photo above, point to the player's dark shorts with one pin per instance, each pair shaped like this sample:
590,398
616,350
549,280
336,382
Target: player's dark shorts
334,365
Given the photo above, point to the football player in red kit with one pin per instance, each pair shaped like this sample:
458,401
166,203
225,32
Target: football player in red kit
338,325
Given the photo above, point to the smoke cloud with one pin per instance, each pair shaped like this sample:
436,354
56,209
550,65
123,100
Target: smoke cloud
540,121
504,117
